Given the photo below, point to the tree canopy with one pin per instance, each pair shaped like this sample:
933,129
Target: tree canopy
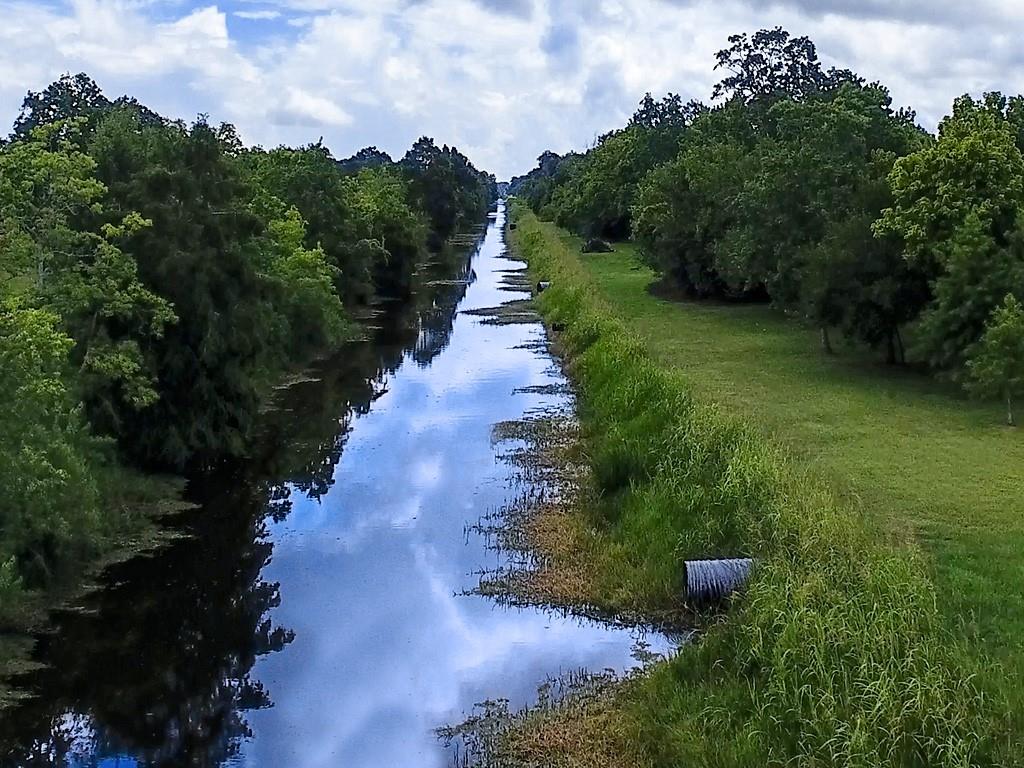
805,186
156,276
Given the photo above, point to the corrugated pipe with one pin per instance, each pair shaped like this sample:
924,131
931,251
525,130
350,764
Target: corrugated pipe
711,581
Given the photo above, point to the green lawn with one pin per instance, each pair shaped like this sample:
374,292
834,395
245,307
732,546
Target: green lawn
915,456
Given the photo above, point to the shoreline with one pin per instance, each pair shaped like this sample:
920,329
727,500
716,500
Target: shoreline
154,500
835,621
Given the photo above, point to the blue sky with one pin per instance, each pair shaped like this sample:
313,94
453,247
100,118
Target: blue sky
501,79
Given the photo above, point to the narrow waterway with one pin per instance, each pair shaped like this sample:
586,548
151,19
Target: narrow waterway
315,614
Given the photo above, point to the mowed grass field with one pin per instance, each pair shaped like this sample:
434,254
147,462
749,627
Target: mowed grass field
916,457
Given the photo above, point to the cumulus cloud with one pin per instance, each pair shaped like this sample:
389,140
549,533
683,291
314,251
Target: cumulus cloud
502,79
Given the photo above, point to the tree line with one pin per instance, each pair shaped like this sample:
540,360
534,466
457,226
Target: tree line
804,186
157,276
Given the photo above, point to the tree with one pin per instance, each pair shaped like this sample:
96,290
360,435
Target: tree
605,187
669,113
595,193
68,97
861,284
205,252
380,212
309,179
669,218
547,162
996,362
444,184
820,184
974,167
368,157
79,272
313,316
957,207
49,505
686,212
771,64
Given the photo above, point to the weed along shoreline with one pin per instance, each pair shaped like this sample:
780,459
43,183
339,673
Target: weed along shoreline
835,652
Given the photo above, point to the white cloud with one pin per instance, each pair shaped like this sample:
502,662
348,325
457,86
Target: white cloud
503,81
306,107
262,15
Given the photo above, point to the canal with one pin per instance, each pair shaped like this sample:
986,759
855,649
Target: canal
314,610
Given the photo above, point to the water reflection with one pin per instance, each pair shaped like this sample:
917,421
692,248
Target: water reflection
315,617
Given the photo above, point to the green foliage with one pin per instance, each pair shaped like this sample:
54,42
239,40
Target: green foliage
770,64
154,277
309,179
367,157
836,655
807,188
974,168
444,184
40,190
381,214
593,194
374,219
314,317
49,508
684,212
784,207
607,181
201,253
67,98
996,363
957,204
82,275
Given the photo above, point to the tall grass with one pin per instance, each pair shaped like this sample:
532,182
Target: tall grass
836,653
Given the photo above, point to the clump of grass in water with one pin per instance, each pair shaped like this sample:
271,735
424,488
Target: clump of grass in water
516,312
540,543
836,654
576,723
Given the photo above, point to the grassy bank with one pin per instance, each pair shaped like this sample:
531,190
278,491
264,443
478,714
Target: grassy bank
838,654
917,458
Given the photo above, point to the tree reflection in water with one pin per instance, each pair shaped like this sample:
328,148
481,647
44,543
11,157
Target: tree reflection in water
157,663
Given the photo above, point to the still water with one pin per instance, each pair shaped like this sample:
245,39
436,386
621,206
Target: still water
316,615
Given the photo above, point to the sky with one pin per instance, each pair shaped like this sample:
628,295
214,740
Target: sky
503,80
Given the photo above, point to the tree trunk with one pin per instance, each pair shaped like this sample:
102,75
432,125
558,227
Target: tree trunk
1009,410
899,343
890,349
826,342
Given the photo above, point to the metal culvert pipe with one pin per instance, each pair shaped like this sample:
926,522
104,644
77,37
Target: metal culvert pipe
711,581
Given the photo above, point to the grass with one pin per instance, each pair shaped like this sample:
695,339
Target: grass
714,430
915,456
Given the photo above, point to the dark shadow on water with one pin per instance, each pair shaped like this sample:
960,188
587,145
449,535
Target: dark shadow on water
156,664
